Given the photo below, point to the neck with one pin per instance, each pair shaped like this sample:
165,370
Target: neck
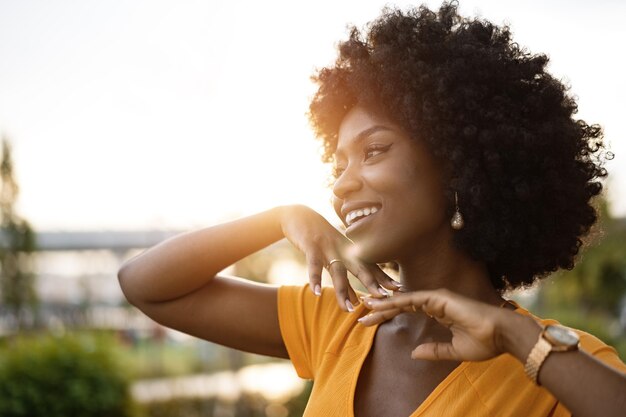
440,265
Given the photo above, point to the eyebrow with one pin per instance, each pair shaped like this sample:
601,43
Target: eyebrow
363,135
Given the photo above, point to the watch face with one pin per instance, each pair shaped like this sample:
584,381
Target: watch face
562,335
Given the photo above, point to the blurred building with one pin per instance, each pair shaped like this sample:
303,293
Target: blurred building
77,285
76,278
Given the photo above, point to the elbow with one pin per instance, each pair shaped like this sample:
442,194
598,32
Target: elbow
124,279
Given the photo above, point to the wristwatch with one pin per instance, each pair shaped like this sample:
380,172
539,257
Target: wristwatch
553,338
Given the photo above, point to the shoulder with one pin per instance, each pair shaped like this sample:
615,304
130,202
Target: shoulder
321,317
298,304
301,297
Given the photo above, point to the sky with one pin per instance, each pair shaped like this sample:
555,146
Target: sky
150,114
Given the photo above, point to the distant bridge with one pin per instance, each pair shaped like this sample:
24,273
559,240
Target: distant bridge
117,241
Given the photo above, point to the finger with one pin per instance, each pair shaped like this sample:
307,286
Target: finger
402,301
385,280
417,299
346,297
315,264
408,308
380,280
437,305
364,272
365,275
379,316
370,302
435,351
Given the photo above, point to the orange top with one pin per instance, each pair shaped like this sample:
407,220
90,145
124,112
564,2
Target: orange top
329,346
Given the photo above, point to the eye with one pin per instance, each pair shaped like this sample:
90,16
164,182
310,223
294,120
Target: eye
373,150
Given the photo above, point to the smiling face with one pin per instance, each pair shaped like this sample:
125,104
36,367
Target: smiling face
388,190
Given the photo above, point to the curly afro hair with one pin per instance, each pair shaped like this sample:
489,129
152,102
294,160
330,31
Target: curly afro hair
502,128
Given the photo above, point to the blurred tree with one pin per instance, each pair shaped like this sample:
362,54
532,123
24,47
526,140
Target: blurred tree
17,239
60,376
591,296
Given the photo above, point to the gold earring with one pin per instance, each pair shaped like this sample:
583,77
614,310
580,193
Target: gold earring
457,222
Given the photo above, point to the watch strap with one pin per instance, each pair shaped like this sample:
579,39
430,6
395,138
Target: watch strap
537,356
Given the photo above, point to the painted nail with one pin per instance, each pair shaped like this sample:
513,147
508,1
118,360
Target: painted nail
349,306
396,284
383,292
318,290
371,302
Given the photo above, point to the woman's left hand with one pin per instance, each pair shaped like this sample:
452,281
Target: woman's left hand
475,325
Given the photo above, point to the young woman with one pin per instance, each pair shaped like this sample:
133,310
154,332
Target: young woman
457,158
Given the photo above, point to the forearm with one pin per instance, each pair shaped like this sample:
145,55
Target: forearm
586,386
187,262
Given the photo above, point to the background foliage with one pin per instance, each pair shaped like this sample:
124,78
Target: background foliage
17,288
63,376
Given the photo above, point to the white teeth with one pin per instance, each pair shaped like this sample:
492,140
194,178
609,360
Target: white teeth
350,217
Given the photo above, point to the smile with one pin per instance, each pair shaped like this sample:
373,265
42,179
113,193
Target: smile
356,215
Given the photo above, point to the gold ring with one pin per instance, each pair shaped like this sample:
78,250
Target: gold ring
332,261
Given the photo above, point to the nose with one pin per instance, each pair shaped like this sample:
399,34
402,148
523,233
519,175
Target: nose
347,182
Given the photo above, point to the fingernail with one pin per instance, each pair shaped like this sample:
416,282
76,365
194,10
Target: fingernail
317,290
365,298
349,306
383,292
361,319
396,284
370,302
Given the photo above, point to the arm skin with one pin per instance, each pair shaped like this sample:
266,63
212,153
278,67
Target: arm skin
176,282
586,386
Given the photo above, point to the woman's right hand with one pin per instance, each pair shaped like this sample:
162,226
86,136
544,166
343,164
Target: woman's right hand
320,242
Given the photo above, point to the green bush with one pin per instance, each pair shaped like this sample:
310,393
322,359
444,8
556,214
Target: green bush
62,377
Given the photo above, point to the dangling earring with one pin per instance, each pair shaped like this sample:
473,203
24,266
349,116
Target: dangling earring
457,222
